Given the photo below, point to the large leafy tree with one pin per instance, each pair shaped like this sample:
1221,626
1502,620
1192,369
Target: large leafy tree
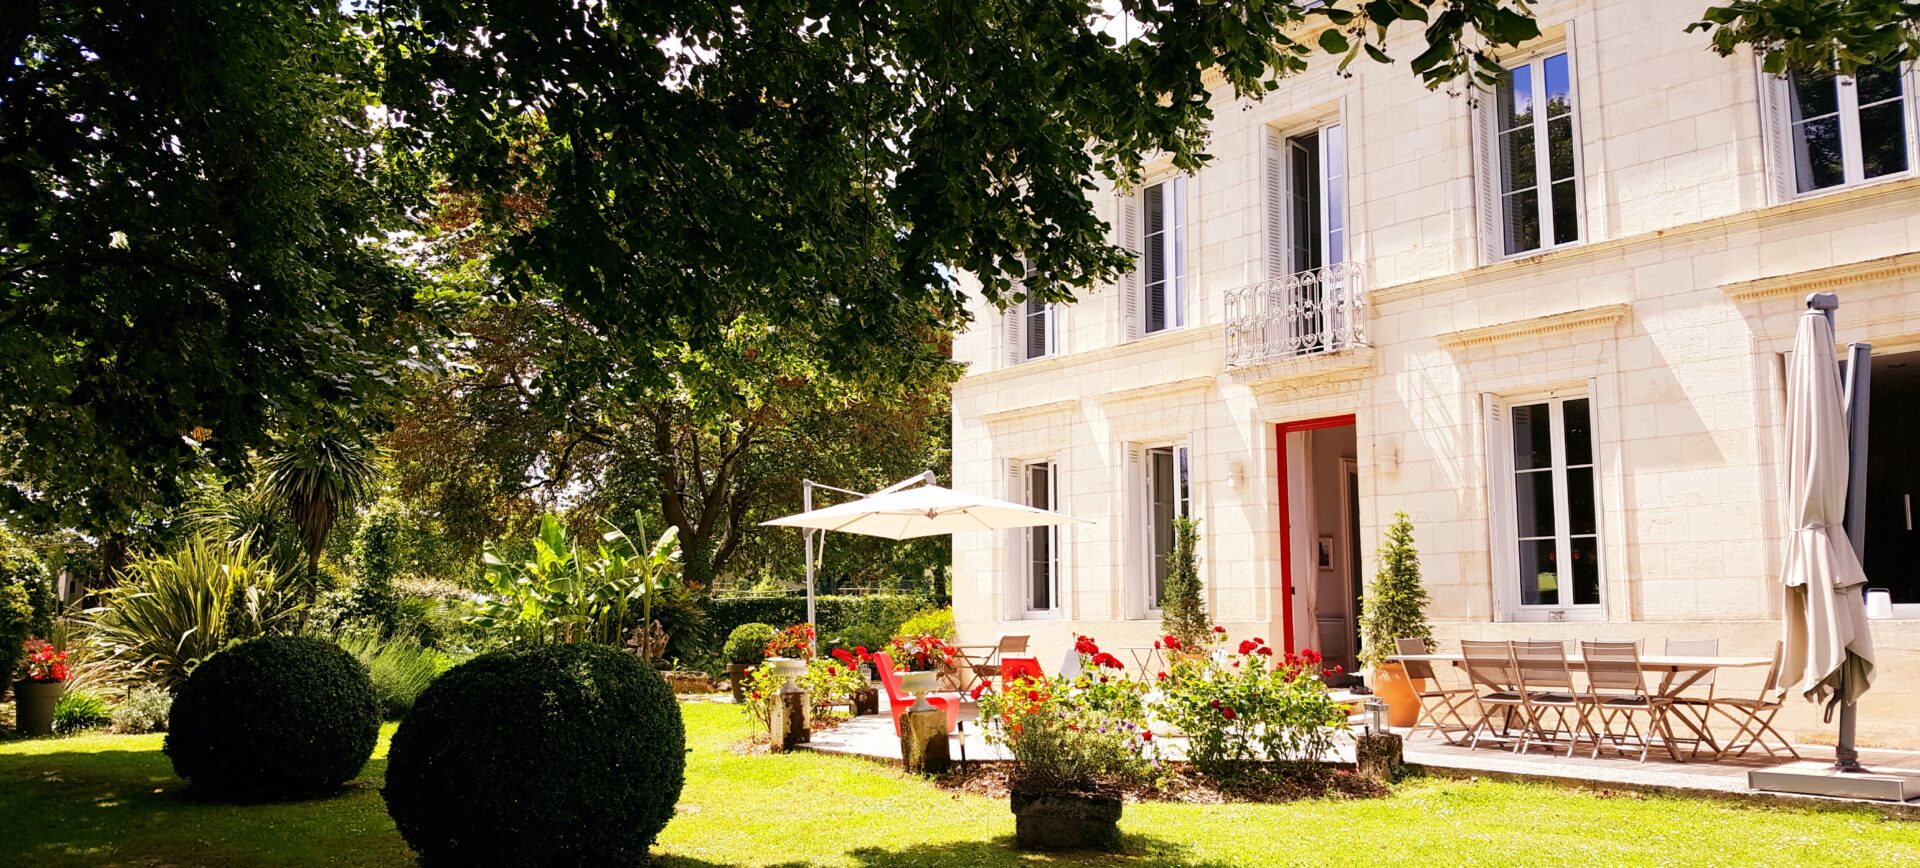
1818,34
190,218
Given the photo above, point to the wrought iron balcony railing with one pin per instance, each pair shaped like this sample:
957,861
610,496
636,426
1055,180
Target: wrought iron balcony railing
1301,314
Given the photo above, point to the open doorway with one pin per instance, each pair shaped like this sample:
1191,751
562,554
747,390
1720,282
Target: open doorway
1320,557
1893,480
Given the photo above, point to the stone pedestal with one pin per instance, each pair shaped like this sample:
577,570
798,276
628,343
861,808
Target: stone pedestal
866,702
787,720
923,741
1377,755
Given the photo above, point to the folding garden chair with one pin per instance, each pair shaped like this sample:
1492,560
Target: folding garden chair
1619,692
1694,706
1546,688
1489,668
987,666
1438,702
1755,716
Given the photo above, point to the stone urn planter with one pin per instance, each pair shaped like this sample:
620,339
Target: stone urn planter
1391,684
33,705
1065,821
919,684
737,676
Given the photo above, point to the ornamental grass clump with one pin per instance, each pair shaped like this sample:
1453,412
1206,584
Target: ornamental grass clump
1081,735
1242,707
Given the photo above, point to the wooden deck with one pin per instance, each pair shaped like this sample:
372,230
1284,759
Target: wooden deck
873,737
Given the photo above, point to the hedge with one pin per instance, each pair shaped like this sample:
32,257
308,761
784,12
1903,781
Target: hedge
834,613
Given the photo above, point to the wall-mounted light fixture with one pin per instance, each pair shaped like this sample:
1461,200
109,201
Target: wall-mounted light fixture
1386,454
1236,474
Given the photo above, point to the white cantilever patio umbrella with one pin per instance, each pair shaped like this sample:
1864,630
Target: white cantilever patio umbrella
915,508
1829,652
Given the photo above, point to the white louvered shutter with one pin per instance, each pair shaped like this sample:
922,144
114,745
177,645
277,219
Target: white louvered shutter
1486,179
1133,548
1014,325
1500,521
1274,203
1016,547
1777,133
1127,226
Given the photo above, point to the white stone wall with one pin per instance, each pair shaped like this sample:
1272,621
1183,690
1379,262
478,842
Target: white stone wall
1682,243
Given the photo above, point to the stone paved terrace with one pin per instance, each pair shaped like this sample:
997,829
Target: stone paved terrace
872,736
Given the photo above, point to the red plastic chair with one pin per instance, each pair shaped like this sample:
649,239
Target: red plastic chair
1012,668
898,700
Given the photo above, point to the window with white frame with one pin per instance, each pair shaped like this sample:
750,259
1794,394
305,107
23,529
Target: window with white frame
1834,130
1168,496
1153,221
1316,198
1529,158
1546,506
1042,575
1032,326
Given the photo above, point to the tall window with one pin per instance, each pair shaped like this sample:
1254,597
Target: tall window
1555,517
1537,155
1163,261
1167,498
1843,129
1040,337
1317,198
1043,543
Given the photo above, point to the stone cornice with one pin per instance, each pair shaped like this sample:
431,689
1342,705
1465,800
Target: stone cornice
1155,390
1589,317
1002,417
1825,279
1286,373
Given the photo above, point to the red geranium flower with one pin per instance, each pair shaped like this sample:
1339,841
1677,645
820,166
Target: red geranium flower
1146,735
1227,713
1219,629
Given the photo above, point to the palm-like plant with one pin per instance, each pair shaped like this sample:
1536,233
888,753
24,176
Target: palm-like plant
171,611
315,478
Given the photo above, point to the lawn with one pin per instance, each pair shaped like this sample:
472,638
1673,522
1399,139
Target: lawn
111,800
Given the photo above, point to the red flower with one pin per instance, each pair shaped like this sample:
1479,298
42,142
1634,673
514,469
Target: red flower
1227,713
1162,676
1085,645
1309,656
1032,696
1264,651
1172,641
860,650
1156,644
1247,646
1214,702
1146,735
1219,629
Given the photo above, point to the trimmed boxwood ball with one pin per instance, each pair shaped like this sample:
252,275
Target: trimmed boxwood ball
560,755
276,717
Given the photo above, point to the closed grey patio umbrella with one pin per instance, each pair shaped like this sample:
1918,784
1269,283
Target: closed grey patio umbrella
1829,651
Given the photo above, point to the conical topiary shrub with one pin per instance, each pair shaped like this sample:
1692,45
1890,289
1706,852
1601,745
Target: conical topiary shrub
1395,606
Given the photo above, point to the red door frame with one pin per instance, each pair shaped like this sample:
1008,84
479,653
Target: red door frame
1286,518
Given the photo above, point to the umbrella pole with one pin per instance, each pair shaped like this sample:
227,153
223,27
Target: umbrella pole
806,499
1846,758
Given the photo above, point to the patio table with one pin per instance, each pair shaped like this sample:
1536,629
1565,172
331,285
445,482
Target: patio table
1677,673
1143,657
971,656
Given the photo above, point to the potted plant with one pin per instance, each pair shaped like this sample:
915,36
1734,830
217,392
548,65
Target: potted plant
745,650
1395,607
39,689
1183,614
924,659
1077,745
864,699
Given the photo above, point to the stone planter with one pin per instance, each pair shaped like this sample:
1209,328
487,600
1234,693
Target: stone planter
1065,821
33,705
737,676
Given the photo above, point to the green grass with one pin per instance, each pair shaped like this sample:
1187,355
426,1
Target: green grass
112,800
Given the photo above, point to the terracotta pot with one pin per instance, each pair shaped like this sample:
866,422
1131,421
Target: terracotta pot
1065,821
33,705
737,676
1390,683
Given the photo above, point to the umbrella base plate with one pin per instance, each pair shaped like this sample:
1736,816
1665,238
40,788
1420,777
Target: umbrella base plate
1819,779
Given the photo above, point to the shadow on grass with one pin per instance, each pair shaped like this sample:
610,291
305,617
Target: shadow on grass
126,807
1135,850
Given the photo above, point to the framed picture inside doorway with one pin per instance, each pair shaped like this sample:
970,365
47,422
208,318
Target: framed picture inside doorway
1323,552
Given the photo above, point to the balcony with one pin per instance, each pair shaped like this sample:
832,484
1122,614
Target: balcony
1306,314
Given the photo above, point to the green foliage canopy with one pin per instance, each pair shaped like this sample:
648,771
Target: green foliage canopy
1395,606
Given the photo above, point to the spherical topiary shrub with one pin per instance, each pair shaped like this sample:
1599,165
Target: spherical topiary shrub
274,717
562,755
747,644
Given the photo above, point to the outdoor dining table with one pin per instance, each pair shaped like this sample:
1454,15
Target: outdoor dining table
1144,657
1677,672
